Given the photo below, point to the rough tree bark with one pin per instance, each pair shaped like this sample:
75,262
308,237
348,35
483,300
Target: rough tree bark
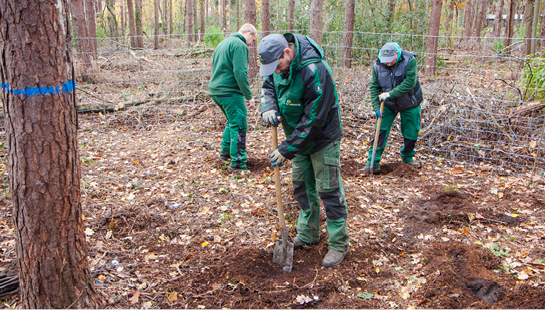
291,17
203,21
156,24
223,17
481,15
467,20
132,25
195,21
541,32
39,101
90,14
431,44
250,18
265,17
509,24
348,34
498,19
316,21
122,22
138,23
83,46
189,6
529,13
112,20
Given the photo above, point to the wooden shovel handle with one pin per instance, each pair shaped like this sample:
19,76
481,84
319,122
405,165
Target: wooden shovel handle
281,219
377,133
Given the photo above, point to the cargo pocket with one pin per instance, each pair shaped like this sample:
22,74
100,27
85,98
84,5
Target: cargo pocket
332,172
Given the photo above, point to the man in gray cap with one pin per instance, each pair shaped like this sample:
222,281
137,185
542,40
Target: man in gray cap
394,80
299,91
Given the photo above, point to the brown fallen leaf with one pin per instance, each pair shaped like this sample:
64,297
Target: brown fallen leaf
134,298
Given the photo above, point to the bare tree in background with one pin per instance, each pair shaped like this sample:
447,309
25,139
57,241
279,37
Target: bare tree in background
224,16
156,24
138,23
39,101
189,5
431,44
529,13
316,21
238,14
132,25
348,34
509,23
90,15
195,21
481,15
291,17
77,8
498,19
265,17
391,10
541,35
111,18
467,20
203,21
250,18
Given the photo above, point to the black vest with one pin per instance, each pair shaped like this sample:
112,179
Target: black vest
390,77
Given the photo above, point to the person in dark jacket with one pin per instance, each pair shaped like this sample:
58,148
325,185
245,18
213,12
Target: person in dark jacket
394,80
229,87
299,91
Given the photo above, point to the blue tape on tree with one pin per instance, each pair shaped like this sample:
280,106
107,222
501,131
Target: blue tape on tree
31,91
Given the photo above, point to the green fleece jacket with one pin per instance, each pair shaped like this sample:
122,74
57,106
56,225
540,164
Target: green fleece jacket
403,88
230,68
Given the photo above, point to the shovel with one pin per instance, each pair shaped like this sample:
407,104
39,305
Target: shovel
283,250
375,142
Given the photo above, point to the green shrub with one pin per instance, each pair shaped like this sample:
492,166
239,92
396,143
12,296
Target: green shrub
213,36
534,78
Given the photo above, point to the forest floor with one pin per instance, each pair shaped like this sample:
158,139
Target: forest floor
168,226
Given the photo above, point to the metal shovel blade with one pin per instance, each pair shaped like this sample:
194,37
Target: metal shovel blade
283,254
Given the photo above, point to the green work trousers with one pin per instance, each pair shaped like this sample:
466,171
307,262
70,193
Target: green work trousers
233,143
410,128
318,176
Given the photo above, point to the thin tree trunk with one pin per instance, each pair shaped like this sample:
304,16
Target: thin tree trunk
391,10
534,27
189,4
39,102
316,21
122,20
224,16
467,20
90,14
291,17
480,19
238,14
132,25
348,34
195,20
77,8
529,13
138,23
265,17
431,45
184,21
509,24
498,19
156,24
112,20
203,21
250,18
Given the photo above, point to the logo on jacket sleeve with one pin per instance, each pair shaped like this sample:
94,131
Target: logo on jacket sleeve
318,88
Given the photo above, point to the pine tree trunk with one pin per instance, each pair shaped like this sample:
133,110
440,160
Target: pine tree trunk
250,18
224,16
138,23
510,23
189,5
348,34
39,102
90,14
467,20
156,24
170,16
316,21
431,45
529,13
291,17
498,19
77,8
541,32
132,25
391,10
112,20
122,20
203,21
265,17
195,21
238,14
481,19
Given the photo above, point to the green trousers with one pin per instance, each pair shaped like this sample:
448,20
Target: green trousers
233,143
318,176
410,128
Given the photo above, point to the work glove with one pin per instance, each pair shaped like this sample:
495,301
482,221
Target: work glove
271,117
384,96
377,112
277,159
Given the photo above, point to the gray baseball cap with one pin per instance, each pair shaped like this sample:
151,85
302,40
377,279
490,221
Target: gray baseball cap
270,49
388,53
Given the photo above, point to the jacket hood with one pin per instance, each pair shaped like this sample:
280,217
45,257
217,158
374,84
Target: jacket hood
308,51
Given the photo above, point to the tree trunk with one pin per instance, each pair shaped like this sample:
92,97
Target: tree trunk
467,20
224,16
391,10
348,34
203,21
170,16
195,21
509,23
238,14
265,17
498,19
138,23
122,21
481,19
316,21
541,35
132,25
77,8
189,5
184,18
291,16
524,9
250,18
156,24
39,102
529,13
431,44
112,20
90,15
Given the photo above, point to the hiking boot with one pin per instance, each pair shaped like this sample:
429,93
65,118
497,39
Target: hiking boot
333,258
366,170
414,164
299,244
224,157
238,169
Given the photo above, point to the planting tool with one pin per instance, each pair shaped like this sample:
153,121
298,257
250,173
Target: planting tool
283,250
375,142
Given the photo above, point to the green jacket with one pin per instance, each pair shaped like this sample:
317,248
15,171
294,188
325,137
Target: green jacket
230,68
306,99
400,81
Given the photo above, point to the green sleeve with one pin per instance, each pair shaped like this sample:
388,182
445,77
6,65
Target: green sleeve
408,83
375,90
240,69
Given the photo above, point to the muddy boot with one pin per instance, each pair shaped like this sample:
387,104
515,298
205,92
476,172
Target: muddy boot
333,258
414,164
299,244
224,157
367,170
